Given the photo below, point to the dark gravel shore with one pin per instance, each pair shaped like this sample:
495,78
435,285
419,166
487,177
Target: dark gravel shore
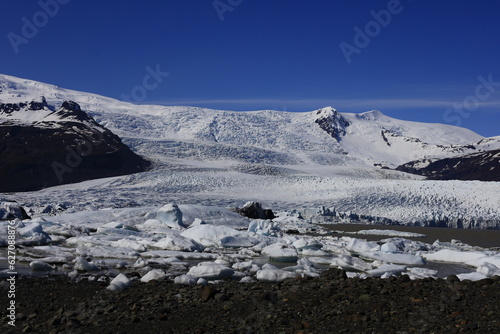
329,304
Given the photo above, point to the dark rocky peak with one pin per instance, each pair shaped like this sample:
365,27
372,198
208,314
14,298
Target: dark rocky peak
332,122
36,105
9,108
71,110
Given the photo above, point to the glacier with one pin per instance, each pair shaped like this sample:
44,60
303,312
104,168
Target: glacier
312,168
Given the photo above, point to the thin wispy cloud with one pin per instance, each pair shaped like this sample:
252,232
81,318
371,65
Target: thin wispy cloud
341,104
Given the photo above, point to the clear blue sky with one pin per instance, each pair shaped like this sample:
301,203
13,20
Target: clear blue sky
270,54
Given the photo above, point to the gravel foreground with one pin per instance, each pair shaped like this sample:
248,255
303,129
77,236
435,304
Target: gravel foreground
331,303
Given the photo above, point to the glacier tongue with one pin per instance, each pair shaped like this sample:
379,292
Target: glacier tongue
284,159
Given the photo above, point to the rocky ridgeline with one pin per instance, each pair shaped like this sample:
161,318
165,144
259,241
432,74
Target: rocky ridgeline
41,146
482,166
332,122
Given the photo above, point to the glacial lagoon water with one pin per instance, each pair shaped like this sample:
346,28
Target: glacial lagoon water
481,238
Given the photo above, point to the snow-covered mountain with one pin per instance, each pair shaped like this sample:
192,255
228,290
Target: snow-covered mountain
41,146
283,159
320,137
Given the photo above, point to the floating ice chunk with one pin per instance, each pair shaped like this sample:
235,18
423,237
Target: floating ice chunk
247,279
391,233
73,275
238,275
261,245
304,267
247,253
361,246
186,280
83,265
87,241
400,258
471,276
197,222
314,252
280,252
268,266
121,264
127,243
178,242
223,261
57,238
155,274
387,269
474,259
121,231
57,259
210,271
305,262
324,260
120,282
41,266
11,210
417,273
171,216
347,262
201,281
405,245
302,244
213,215
263,227
113,225
351,274
209,235
335,247
180,255
488,269
390,247
246,265
274,275
34,235
109,252
238,241
152,223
